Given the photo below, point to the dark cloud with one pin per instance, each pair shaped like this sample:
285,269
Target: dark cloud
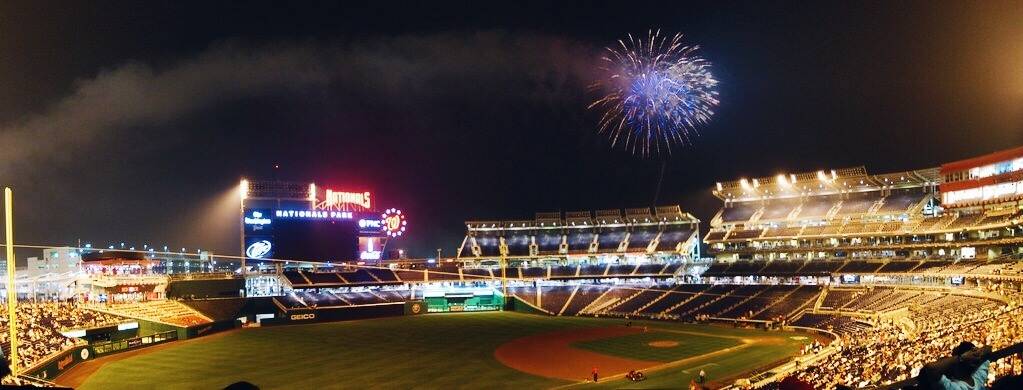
125,139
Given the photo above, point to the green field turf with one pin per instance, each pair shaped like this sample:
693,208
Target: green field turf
635,346
429,351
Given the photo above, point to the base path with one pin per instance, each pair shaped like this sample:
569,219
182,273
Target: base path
551,354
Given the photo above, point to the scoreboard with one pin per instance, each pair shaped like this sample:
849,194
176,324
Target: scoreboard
281,221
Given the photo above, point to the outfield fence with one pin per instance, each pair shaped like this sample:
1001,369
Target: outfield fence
101,349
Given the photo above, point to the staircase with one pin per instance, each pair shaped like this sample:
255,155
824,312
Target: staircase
597,302
740,303
816,302
569,300
652,301
680,304
820,299
781,299
833,210
708,303
623,300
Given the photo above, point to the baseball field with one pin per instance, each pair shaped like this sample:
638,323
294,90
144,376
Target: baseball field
467,350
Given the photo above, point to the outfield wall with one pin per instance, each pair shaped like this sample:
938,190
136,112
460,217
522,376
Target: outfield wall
64,361
346,313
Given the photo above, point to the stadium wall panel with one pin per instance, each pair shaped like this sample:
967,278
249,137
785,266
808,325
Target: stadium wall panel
61,363
337,314
214,288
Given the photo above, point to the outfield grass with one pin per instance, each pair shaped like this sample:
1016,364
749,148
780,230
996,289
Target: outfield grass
429,351
636,346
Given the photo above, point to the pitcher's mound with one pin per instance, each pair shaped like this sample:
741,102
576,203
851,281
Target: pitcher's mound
663,344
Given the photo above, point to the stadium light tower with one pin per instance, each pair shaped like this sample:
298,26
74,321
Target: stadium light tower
243,193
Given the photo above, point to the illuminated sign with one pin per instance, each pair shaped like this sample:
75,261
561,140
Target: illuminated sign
368,249
258,249
298,317
339,200
394,222
313,214
257,219
370,224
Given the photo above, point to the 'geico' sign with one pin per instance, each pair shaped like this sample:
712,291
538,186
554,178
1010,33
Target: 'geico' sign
307,316
336,199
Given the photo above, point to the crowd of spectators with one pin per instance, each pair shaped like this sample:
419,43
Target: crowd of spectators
886,353
40,325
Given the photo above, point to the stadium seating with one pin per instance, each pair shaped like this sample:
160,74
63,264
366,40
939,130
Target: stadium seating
583,297
739,211
640,238
549,242
165,311
609,239
579,241
489,244
555,297
564,270
670,239
518,244
40,324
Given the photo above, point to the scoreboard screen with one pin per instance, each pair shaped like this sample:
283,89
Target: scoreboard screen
316,240
312,235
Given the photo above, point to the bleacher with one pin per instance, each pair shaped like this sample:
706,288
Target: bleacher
739,211
518,244
671,238
554,297
489,244
641,237
609,239
784,305
584,296
327,298
859,266
165,311
899,201
579,240
858,203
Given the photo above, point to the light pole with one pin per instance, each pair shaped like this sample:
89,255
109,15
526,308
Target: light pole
12,289
243,192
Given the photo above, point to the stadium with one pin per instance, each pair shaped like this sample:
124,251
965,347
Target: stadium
835,277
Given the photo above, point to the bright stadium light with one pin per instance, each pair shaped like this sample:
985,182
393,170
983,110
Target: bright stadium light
744,183
243,189
782,180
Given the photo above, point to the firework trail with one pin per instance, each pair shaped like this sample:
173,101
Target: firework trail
656,92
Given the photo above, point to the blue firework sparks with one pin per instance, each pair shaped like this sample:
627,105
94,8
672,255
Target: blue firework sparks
656,93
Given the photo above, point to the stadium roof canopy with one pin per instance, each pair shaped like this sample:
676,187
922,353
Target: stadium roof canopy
822,182
583,219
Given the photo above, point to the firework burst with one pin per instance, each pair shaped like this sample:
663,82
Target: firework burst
655,93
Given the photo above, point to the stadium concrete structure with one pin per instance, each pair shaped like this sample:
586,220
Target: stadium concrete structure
601,236
801,268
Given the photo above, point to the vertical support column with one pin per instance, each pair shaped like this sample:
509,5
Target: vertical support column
12,289
539,293
504,280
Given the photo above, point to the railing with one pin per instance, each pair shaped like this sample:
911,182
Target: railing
134,342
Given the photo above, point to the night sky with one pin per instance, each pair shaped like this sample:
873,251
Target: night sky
133,121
